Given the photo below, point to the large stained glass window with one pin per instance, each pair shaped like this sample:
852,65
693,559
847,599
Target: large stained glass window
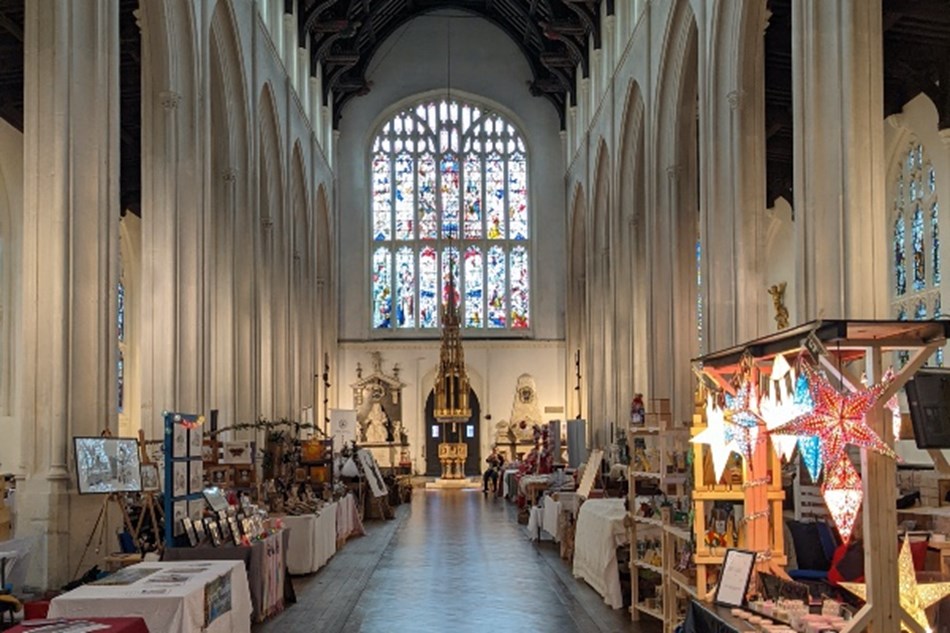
915,237
450,202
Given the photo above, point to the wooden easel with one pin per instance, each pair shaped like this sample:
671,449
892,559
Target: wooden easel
149,504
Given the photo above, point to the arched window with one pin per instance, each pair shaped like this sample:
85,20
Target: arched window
915,238
450,191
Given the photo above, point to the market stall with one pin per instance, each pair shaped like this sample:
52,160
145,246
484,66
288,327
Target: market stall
173,597
265,561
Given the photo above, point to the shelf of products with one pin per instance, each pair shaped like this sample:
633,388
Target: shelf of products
658,477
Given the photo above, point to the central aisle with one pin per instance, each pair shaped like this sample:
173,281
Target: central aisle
455,561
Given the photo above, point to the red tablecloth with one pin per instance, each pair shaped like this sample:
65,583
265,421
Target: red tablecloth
116,625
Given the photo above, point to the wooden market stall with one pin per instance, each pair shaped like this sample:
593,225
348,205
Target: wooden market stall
843,349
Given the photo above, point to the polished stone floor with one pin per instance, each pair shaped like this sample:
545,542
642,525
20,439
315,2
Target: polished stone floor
451,561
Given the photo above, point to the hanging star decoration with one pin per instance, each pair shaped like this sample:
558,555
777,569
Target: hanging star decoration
715,436
809,447
843,495
838,420
742,420
915,598
778,407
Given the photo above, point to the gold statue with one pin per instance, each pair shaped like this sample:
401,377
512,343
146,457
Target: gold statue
778,301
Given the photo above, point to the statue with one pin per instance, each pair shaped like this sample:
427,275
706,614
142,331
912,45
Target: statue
525,410
778,302
376,421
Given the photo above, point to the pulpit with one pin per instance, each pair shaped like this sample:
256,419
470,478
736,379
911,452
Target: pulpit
452,456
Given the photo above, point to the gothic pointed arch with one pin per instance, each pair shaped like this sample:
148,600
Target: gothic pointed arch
632,263
600,346
302,344
272,292
674,216
576,317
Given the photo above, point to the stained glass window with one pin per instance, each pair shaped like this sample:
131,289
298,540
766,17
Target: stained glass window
699,294
900,274
120,335
916,242
450,197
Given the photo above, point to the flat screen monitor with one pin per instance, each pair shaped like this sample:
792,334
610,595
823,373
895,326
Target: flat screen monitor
107,464
928,396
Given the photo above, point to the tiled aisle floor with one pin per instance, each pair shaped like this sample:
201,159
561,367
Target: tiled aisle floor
452,561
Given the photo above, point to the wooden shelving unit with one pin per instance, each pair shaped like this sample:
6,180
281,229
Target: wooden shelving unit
661,438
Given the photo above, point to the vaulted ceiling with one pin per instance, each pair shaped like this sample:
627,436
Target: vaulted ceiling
552,34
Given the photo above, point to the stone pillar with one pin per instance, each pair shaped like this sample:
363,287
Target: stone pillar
837,80
66,348
176,226
837,71
733,176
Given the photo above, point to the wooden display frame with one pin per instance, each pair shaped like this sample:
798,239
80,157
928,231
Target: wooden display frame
833,345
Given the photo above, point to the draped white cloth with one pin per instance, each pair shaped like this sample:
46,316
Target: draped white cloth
169,607
600,531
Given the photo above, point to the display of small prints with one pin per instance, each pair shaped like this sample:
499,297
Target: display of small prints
195,477
179,440
195,437
236,452
150,479
180,479
180,510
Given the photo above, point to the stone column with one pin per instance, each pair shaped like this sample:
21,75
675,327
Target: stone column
176,227
837,73
837,70
733,176
66,348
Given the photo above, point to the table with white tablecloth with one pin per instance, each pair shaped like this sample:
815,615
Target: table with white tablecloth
600,531
312,540
348,521
172,597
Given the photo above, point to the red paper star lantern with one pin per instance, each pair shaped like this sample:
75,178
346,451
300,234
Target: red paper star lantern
838,419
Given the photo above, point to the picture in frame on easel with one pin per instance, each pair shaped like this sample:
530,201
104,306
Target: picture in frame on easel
150,478
106,465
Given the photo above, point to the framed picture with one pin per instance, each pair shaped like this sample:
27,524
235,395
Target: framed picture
107,464
734,578
209,452
236,452
220,476
195,477
235,530
200,534
319,474
213,531
189,528
225,527
179,511
195,440
313,451
196,509
371,471
179,479
216,500
179,440
150,478
300,475
243,476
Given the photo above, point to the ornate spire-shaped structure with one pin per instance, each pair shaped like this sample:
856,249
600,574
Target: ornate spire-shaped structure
451,384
